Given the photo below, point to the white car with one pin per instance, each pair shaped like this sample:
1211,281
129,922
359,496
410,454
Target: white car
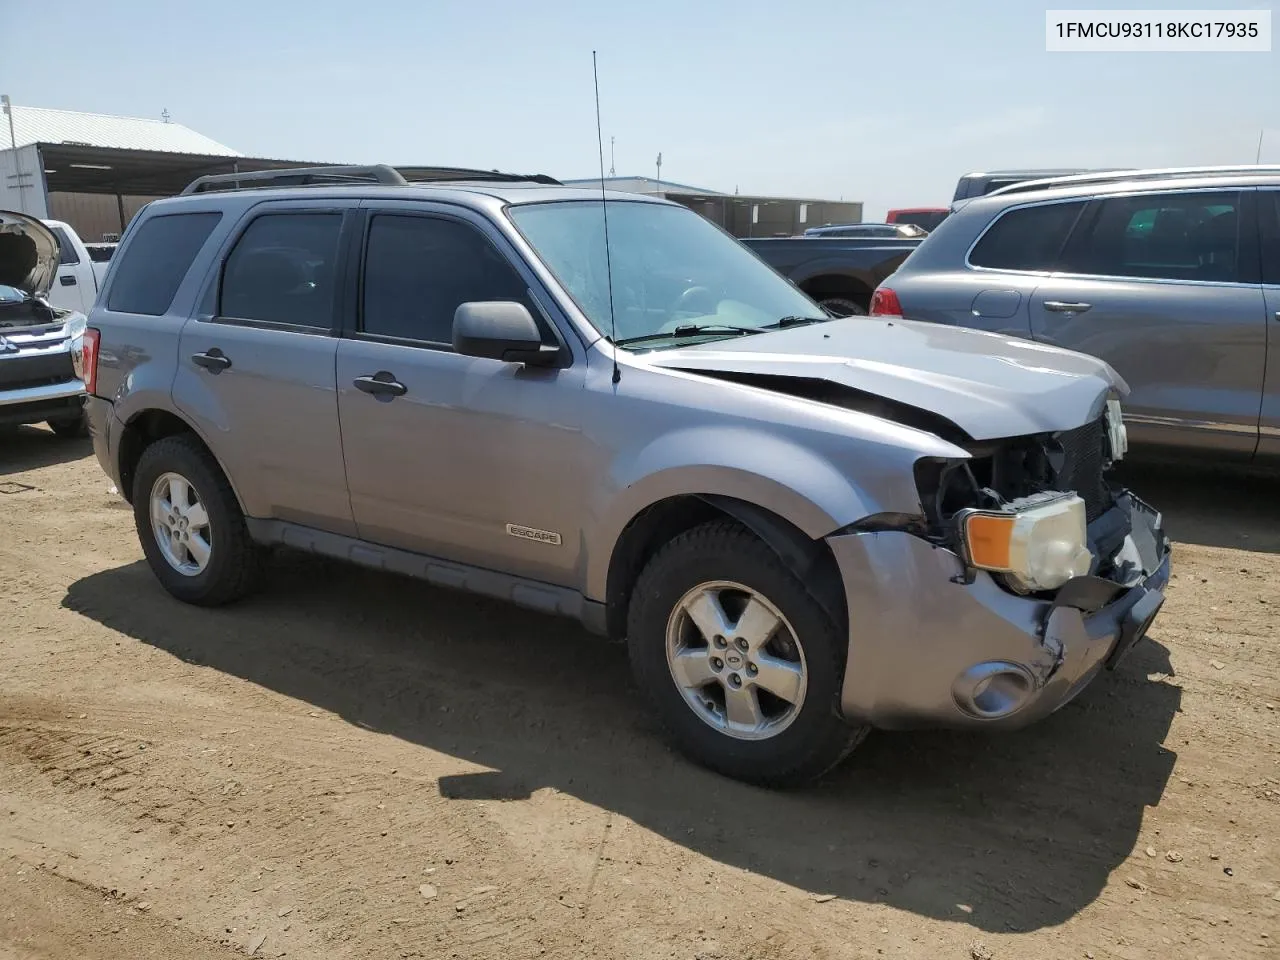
40,340
77,284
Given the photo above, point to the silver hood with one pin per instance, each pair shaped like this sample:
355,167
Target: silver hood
28,253
990,386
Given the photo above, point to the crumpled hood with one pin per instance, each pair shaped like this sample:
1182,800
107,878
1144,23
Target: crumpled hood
28,253
989,385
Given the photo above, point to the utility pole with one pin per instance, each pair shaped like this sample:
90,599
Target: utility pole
659,189
164,114
612,172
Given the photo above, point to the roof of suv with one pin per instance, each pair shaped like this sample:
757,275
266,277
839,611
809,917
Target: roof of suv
1127,181
381,180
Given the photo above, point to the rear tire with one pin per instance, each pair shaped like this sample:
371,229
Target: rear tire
843,306
719,570
198,546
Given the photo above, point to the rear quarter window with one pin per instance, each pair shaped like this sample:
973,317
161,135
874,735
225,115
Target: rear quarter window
156,259
67,255
1026,238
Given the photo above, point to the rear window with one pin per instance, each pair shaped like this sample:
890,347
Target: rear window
1028,238
148,275
66,252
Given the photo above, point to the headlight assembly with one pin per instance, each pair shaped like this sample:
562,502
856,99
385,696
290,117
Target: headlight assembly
1038,543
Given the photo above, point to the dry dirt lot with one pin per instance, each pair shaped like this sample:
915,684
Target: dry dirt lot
352,765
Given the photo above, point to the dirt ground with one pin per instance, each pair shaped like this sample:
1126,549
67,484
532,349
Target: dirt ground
356,766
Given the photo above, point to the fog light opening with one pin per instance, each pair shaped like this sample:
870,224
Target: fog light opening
990,691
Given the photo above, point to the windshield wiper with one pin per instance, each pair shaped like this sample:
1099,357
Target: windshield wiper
691,330
796,322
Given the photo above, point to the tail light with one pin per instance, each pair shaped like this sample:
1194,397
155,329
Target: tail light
84,359
884,303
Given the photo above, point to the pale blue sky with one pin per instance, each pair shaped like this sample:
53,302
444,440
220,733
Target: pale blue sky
881,101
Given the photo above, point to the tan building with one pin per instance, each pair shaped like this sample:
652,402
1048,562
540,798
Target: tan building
742,216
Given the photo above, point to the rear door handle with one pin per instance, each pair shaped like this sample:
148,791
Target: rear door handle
381,384
215,361
1060,306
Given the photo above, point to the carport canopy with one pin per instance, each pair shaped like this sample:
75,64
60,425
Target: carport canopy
78,168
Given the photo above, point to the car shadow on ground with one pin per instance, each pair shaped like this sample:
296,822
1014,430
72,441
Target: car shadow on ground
1013,831
30,448
1211,507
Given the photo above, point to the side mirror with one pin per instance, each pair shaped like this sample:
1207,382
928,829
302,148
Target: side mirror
500,330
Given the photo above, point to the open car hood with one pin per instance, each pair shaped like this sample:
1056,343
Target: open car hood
28,253
988,385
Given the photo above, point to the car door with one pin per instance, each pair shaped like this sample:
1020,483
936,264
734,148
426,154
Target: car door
992,290
256,365
76,287
463,458
1164,286
1269,217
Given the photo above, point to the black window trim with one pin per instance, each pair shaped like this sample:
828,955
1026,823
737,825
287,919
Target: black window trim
1004,212
213,290
1249,240
353,330
1268,222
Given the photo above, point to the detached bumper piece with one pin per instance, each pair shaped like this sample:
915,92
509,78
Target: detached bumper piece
929,649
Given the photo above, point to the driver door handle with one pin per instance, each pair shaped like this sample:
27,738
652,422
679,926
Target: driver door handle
381,384
1060,306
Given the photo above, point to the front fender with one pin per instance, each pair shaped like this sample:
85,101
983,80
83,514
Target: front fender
764,469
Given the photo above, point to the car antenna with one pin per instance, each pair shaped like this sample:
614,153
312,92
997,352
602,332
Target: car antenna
604,209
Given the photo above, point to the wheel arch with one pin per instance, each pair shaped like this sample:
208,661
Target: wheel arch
657,523
146,427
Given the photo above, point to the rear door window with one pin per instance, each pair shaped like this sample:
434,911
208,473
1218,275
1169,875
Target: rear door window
67,255
156,260
1026,238
283,270
1160,236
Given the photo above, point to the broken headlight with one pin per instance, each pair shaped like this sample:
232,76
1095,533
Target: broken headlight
1036,543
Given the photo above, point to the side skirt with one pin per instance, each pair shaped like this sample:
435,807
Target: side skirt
529,594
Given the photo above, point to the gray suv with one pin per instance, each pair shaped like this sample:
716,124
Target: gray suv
605,407
1170,276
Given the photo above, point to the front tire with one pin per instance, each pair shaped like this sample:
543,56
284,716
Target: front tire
190,525
740,662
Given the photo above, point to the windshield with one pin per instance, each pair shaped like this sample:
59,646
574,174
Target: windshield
674,272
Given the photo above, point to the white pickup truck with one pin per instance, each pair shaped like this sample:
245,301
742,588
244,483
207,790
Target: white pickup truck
78,276
41,335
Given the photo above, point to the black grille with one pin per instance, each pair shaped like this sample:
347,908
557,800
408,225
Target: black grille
1084,454
18,373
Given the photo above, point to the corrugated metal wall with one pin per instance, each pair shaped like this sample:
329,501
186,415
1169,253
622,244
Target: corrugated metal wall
21,180
94,215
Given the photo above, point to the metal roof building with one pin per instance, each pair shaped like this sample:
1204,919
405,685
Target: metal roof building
742,216
96,171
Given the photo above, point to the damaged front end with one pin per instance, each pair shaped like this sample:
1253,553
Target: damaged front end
1028,573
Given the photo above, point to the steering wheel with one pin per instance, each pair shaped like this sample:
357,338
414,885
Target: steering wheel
682,302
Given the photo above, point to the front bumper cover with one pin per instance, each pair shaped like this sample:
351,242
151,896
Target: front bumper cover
930,646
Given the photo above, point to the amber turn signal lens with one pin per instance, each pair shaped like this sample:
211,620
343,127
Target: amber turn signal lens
988,539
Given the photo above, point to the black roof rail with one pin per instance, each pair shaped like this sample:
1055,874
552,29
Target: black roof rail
377,173
445,174
1138,175
296,176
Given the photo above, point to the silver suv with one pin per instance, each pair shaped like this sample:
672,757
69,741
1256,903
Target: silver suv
604,407
1171,276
